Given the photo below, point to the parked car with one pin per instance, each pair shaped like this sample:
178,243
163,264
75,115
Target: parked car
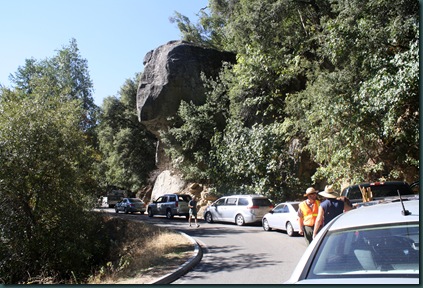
381,191
170,205
239,209
131,205
371,245
282,217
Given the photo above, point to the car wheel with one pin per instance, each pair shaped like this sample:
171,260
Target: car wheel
289,229
239,220
150,212
209,217
126,210
169,214
116,210
266,226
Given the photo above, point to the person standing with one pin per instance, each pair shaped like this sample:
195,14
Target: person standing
307,214
329,209
192,204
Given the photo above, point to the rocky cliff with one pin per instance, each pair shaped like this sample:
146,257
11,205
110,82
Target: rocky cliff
172,73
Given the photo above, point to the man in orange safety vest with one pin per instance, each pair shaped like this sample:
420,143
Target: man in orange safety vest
307,214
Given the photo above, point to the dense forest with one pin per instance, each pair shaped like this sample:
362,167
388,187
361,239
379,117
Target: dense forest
333,85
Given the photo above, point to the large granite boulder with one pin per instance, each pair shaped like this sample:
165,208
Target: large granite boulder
171,74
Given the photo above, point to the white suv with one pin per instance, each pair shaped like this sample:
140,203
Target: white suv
239,209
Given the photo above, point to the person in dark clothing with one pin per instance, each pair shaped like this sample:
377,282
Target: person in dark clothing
329,209
193,211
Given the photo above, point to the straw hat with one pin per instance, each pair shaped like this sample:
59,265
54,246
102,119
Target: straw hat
309,191
329,192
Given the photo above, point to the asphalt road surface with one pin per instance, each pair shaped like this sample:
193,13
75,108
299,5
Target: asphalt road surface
237,254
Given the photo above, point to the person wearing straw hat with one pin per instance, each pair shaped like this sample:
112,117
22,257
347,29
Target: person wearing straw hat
307,214
329,209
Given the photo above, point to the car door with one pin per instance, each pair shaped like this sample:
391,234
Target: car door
229,210
216,209
275,219
160,205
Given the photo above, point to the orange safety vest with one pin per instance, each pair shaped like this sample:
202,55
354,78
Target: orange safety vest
308,214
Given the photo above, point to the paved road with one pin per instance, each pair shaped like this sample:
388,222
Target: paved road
237,255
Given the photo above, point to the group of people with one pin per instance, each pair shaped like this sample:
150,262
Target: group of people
314,214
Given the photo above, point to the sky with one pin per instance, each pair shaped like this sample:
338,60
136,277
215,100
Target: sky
112,35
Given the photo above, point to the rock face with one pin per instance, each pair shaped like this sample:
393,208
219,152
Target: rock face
171,74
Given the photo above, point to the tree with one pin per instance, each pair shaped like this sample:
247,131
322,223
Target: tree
46,189
66,74
337,80
127,148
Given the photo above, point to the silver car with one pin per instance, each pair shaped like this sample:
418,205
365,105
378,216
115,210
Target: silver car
130,205
170,205
377,244
239,209
283,217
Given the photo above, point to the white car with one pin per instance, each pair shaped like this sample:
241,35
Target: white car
283,217
377,244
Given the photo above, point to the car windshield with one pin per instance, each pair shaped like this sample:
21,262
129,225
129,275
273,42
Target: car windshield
135,200
377,251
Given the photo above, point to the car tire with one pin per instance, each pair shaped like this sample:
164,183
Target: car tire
266,226
289,229
116,210
126,210
169,214
150,212
209,217
239,220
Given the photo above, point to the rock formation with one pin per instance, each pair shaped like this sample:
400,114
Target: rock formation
172,73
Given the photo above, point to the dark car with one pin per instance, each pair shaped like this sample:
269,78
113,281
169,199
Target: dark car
387,191
130,205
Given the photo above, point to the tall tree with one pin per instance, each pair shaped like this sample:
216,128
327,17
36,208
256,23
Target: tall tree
65,74
128,149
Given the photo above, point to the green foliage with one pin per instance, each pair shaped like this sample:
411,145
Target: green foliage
66,74
46,189
127,148
332,83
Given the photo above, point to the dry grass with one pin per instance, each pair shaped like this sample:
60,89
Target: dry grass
141,252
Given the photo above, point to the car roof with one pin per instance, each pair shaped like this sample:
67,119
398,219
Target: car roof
383,213
377,183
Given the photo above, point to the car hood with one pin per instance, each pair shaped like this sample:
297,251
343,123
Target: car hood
350,281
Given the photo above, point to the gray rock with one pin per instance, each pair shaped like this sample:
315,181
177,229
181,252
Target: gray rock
171,74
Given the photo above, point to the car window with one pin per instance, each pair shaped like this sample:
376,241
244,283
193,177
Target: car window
279,208
285,209
243,201
220,201
172,198
164,199
134,200
385,190
376,250
231,201
185,198
295,206
261,202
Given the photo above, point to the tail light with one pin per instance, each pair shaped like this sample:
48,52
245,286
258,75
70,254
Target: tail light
253,207
176,204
